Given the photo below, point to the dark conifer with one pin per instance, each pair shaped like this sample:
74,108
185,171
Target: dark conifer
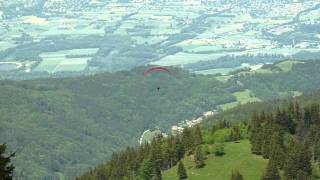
291,166
199,158
266,141
316,151
187,139
219,149
256,134
314,113
157,175
182,171
298,113
301,175
198,136
235,134
276,150
305,159
146,170
298,159
272,172
6,168
304,124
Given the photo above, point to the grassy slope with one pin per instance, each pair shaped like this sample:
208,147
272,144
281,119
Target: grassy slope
238,156
242,97
286,66
245,97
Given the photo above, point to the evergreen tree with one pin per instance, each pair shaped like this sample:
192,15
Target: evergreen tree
314,113
197,136
256,134
276,151
257,140
235,134
219,149
291,108
291,165
156,154
206,149
284,121
146,170
180,150
298,159
236,175
165,155
266,134
301,175
313,135
255,121
272,172
305,159
157,172
298,113
304,124
199,158
6,168
182,171
213,129
187,139
316,151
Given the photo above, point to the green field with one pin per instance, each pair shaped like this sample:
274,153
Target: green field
215,71
58,61
149,39
228,106
242,97
201,49
72,64
56,64
72,52
185,58
286,66
237,157
245,97
49,64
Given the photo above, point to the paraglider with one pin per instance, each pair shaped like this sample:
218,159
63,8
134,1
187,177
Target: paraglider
156,69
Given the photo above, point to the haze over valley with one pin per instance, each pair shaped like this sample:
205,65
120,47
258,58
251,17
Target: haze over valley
159,89
46,38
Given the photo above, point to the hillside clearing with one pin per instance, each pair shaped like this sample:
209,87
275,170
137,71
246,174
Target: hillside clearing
238,156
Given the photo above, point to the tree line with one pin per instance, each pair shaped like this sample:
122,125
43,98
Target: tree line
149,160
290,139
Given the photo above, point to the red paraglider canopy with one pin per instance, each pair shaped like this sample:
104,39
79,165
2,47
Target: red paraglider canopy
156,69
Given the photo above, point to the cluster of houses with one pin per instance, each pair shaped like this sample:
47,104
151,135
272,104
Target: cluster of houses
176,129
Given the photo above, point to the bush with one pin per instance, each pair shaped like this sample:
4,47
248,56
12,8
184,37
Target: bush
219,149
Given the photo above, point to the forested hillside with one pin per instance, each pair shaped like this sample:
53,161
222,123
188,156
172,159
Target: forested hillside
61,127
284,144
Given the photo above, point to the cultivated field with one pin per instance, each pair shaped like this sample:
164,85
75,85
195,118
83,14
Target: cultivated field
64,61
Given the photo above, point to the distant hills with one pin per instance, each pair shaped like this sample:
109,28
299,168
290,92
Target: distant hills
62,127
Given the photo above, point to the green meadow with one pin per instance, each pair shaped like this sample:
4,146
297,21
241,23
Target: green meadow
237,157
